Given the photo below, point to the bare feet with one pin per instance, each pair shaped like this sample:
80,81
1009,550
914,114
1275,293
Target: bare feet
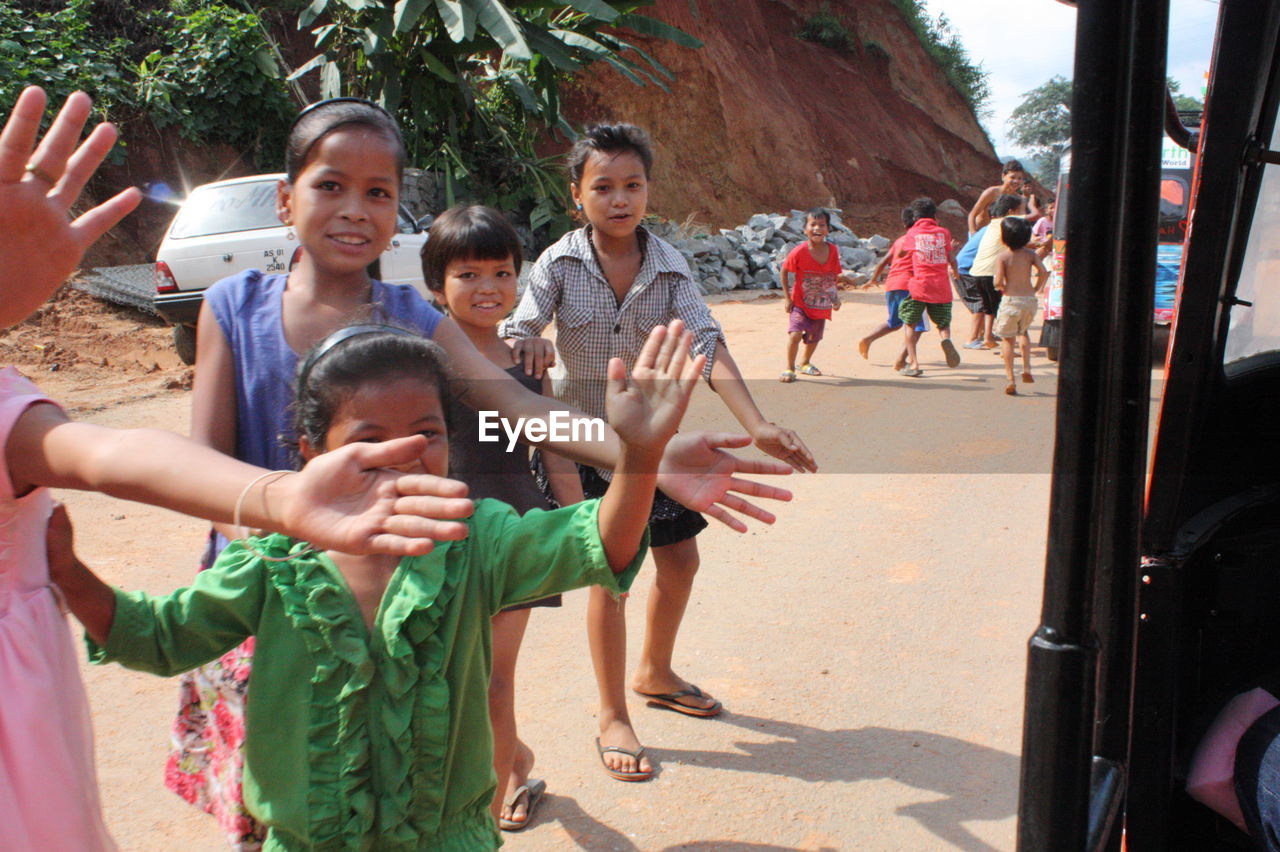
864,348
900,363
517,810
1012,389
1027,378
618,733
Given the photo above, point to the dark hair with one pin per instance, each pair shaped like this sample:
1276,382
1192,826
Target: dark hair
818,213
471,232
1006,204
609,139
318,120
1012,166
358,355
908,216
1015,232
924,208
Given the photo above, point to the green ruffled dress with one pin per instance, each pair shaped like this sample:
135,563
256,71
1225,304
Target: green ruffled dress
359,741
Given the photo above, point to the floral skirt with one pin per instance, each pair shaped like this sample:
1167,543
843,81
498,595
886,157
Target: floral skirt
207,761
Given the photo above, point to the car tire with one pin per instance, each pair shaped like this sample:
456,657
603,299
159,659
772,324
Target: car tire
184,341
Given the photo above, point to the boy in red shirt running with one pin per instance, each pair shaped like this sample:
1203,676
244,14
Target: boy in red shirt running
814,266
932,265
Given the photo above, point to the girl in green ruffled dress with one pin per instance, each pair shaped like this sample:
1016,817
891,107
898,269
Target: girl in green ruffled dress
369,724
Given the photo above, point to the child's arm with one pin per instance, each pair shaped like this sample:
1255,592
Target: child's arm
646,412
1002,270
785,275
162,635
347,502
1042,274
978,213
777,441
532,315
42,245
881,266
696,471
562,474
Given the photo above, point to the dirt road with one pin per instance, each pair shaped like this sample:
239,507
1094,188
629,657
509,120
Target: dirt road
869,648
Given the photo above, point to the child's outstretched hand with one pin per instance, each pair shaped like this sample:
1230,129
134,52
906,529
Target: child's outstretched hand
41,245
350,500
646,410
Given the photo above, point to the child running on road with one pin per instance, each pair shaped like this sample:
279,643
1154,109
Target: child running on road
928,245
606,285
814,266
898,262
1018,307
369,725
471,262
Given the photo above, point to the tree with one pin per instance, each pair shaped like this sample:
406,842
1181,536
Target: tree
1041,125
1185,103
475,83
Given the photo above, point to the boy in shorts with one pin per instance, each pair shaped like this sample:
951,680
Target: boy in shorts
1018,307
898,263
809,285
929,287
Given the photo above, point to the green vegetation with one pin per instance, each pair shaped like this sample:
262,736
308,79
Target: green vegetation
1041,125
203,68
943,45
824,27
476,83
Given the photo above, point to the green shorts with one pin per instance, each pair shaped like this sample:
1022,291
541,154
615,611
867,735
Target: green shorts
912,309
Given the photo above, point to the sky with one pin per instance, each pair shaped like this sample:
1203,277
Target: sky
1021,51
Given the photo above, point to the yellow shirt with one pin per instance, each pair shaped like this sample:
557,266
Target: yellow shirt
984,262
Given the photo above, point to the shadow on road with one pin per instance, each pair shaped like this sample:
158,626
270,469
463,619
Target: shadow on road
977,782
589,833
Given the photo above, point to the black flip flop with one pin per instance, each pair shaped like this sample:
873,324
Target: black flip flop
671,701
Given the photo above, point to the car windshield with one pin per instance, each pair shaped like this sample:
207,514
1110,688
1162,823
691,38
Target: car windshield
226,209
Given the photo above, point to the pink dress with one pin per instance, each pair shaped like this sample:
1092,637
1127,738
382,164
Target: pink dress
48,786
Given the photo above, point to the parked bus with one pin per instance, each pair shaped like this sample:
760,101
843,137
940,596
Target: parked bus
1177,166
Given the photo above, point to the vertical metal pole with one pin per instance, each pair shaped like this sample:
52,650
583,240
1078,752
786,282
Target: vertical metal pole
1095,496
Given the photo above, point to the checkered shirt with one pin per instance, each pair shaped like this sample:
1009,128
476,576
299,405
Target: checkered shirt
567,285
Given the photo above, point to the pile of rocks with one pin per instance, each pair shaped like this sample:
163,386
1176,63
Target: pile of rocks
749,256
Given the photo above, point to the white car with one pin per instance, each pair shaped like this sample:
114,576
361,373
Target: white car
229,226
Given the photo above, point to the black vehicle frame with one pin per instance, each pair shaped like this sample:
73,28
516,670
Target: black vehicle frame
1157,609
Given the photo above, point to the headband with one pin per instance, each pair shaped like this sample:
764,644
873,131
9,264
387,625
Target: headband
341,336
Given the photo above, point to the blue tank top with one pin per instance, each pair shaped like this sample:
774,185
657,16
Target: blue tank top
248,308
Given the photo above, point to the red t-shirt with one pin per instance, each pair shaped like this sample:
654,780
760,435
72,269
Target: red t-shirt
899,265
814,290
929,247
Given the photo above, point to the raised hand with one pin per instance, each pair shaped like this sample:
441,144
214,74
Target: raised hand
646,411
348,500
38,185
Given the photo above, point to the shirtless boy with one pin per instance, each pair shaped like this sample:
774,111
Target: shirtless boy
1018,307
1012,178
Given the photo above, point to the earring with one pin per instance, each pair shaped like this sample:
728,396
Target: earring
579,208
289,235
